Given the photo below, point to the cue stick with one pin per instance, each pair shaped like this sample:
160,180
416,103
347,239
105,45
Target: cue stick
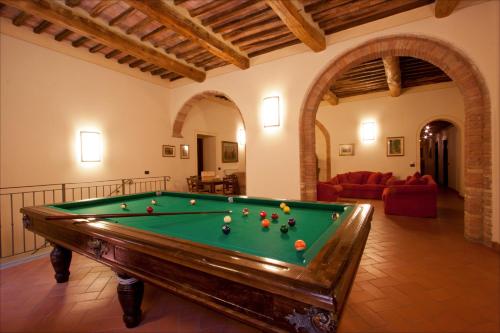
105,216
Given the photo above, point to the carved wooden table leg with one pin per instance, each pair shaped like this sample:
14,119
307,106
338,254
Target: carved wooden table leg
60,257
130,292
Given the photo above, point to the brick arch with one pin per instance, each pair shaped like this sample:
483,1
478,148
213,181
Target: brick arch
326,134
477,128
188,105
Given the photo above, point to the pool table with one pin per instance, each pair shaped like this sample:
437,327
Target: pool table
253,274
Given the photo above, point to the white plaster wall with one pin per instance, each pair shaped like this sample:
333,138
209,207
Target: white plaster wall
47,97
402,116
273,155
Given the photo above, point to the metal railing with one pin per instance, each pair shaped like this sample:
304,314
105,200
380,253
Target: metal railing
15,240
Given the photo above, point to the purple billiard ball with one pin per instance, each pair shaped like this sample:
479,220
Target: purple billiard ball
291,222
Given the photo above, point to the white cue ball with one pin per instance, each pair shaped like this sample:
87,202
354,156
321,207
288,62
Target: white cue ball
123,206
192,202
154,202
227,219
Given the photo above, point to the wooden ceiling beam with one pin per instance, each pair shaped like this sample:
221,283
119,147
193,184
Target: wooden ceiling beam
331,98
393,75
139,25
444,8
123,15
63,34
101,6
20,18
150,34
79,42
96,48
41,27
84,25
169,16
298,24
72,3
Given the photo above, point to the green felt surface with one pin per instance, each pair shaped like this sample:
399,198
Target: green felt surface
314,224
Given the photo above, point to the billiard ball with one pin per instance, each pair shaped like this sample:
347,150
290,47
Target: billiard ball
226,229
192,202
154,202
286,210
158,193
282,205
263,214
335,216
265,223
274,216
227,219
149,209
291,222
300,245
230,199
284,228
245,211
123,206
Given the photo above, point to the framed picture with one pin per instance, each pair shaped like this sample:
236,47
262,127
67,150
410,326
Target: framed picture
395,146
229,152
168,151
346,149
184,151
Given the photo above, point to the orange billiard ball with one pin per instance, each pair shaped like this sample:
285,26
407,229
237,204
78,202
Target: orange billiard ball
265,223
300,245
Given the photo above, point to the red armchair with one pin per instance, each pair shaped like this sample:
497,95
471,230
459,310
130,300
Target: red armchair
326,191
416,197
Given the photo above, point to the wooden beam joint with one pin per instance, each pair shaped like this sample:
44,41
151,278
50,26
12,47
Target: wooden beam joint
294,18
393,75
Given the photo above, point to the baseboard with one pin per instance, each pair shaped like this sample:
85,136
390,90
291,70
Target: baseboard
24,258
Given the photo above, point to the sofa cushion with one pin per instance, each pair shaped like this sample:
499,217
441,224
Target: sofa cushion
355,177
416,181
385,177
342,178
374,178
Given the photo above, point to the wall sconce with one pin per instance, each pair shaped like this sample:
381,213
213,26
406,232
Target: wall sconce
368,131
90,146
271,111
241,137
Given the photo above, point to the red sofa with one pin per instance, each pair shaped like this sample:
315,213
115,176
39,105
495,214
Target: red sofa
417,196
359,184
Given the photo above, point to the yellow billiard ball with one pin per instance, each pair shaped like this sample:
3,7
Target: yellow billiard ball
282,205
286,210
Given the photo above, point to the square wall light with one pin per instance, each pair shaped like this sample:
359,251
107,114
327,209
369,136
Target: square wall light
90,146
368,131
271,111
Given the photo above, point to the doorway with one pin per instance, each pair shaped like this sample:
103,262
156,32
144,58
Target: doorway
206,150
440,154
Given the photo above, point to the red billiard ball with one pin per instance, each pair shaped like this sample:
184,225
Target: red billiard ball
265,223
274,216
300,245
149,209
263,214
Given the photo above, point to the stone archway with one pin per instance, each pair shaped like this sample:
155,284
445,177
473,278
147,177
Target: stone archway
188,105
328,154
477,129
